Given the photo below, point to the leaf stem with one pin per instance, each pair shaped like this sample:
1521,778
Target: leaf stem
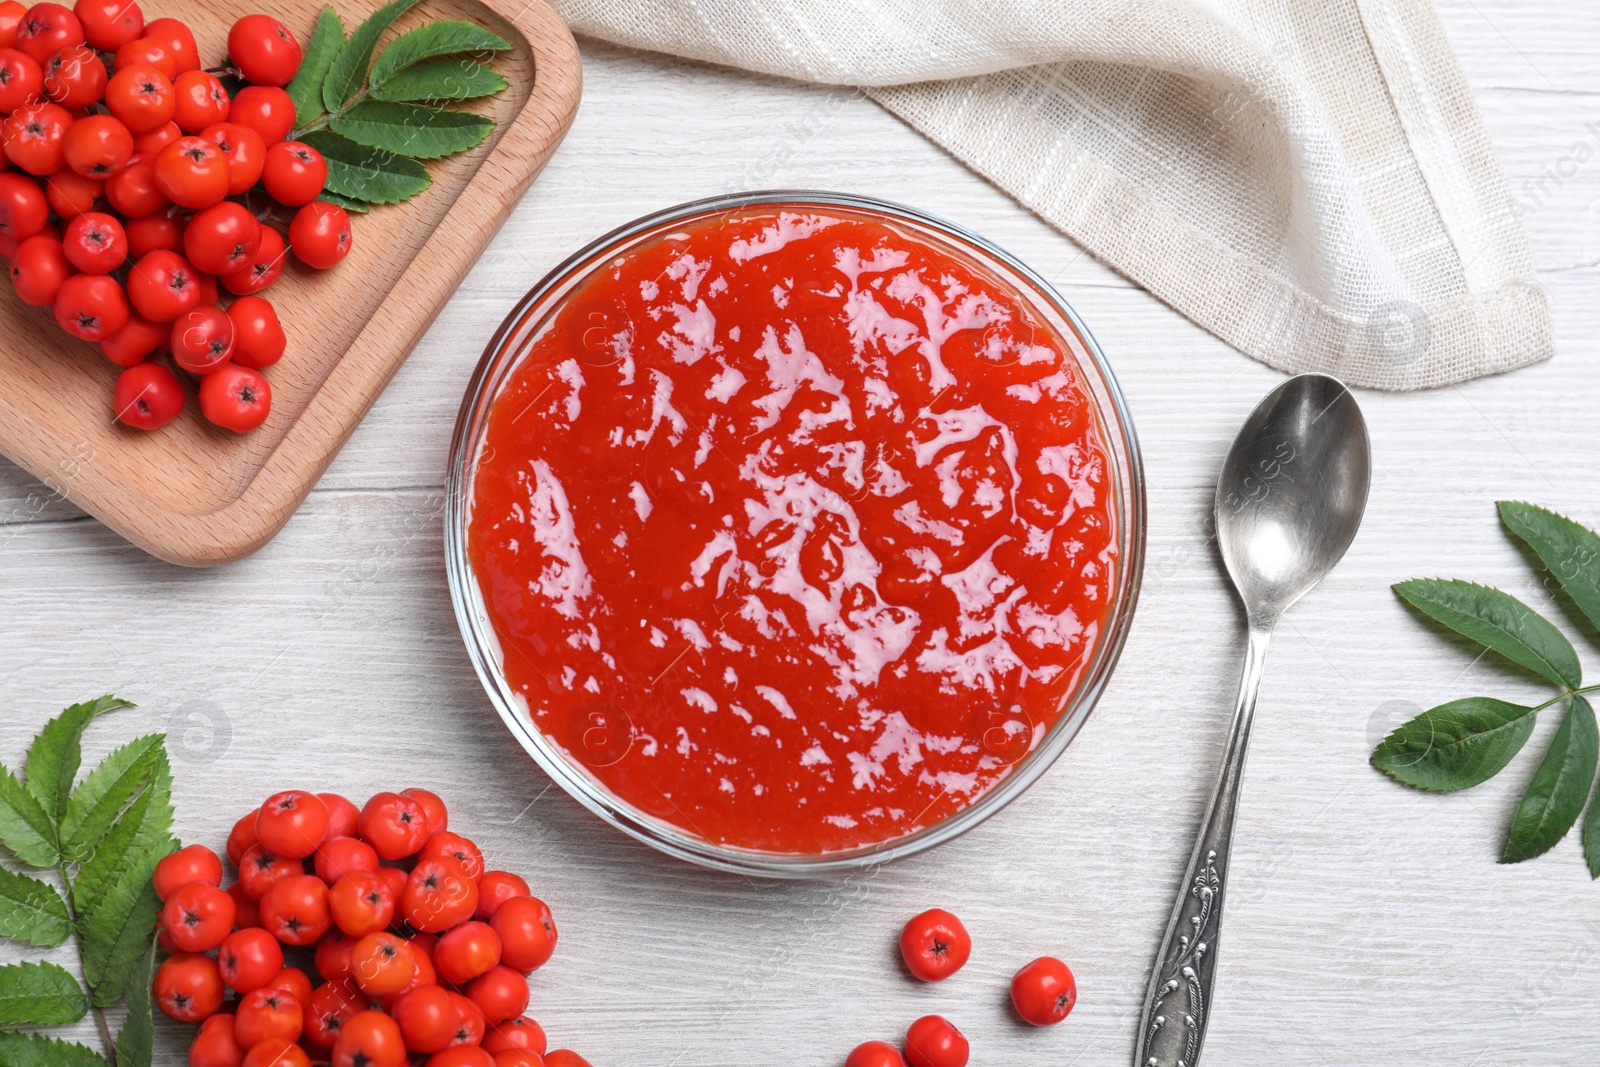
1565,694
324,120
77,941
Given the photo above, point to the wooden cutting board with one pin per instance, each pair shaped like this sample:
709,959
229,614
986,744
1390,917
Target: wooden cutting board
196,495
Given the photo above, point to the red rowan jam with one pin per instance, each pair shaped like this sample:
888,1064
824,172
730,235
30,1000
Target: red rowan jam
796,529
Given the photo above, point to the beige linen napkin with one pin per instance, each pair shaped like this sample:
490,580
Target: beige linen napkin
1308,179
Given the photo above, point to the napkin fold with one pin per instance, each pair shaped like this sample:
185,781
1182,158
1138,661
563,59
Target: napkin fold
1310,180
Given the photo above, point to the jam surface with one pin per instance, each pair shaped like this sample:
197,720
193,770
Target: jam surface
795,529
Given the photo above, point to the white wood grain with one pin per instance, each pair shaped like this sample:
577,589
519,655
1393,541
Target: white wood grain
1370,924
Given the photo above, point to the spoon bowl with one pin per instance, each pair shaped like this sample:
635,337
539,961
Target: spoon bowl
1292,491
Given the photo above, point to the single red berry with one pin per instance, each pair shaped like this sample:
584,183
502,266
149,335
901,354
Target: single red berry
163,285
95,243
38,269
361,903
202,340
143,51
24,209
932,1041
338,856
344,818
382,963
153,141
268,1014
238,399
178,40
461,1056
91,307
1044,991
249,959
332,1004
439,894
242,836
21,79
196,863
427,1019
467,951
141,96
527,933
215,1044
519,1033
198,917
295,909
132,191
264,50
75,77
935,945
153,233
109,24
46,29
129,346
276,1052
97,146
396,826
199,101
873,1054
495,888
320,235
193,173
188,987
244,150
147,397
295,173
266,109
71,194
259,870
293,822
34,136
446,845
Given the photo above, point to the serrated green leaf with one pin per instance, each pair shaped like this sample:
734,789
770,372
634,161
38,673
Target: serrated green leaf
55,754
327,38
117,920
105,791
31,1050
448,37
1455,745
1569,550
40,994
349,69
144,828
412,129
360,207
368,174
444,79
136,1039
1555,795
32,911
1499,622
25,828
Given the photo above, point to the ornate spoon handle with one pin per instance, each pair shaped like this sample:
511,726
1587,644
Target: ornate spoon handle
1173,1026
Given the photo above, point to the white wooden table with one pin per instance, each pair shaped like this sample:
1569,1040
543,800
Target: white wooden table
1368,924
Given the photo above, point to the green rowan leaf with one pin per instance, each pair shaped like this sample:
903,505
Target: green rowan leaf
1570,551
32,1050
1499,622
368,174
1554,797
444,79
116,904
25,827
40,994
412,129
105,791
144,828
1455,745
32,911
327,39
55,754
349,70
136,1039
445,38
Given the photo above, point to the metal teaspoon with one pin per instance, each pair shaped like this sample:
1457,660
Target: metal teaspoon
1289,500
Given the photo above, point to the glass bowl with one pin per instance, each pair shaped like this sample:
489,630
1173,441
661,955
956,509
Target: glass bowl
513,341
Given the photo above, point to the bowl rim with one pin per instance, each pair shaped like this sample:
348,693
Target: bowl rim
477,633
